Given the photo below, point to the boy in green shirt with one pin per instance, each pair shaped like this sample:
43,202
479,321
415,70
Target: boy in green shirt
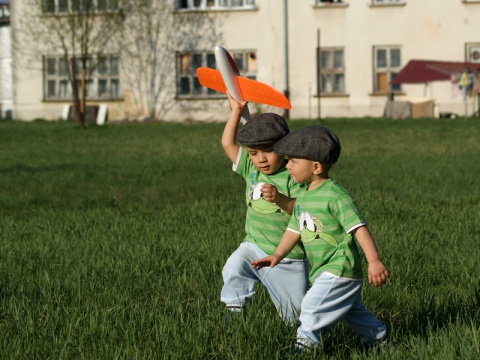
327,222
270,194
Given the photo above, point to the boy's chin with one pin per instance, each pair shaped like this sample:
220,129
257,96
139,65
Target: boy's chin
267,171
270,169
296,180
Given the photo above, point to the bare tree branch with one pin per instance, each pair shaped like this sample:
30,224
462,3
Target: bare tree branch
156,32
78,32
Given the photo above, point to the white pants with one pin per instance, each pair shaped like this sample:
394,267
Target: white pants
332,299
286,283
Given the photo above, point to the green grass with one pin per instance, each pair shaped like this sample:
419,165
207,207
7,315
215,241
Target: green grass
113,241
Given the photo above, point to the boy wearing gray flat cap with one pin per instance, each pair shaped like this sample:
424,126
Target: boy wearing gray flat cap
270,193
326,221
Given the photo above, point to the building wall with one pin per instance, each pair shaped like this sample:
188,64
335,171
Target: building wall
426,30
6,91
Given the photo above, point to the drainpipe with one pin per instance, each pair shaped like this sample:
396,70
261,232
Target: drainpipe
287,85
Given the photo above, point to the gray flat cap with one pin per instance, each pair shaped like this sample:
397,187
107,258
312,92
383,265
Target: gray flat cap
312,142
263,129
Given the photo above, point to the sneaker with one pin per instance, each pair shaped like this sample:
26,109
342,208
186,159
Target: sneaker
302,349
377,344
232,317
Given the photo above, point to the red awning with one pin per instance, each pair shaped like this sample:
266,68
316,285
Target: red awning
424,71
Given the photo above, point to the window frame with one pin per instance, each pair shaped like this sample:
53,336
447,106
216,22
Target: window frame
57,85
202,5
330,2
389,70
57,7
331,72
187,85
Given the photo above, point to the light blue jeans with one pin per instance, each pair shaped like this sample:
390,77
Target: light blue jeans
286,283
330,300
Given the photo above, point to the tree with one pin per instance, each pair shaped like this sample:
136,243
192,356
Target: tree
155,33
79,30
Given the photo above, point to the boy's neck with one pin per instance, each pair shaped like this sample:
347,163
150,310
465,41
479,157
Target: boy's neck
318,181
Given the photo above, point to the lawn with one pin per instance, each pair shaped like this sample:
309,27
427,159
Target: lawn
113,240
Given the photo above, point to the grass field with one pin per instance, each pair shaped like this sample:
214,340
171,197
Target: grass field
113,240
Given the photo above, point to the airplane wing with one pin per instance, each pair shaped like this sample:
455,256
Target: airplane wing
252,90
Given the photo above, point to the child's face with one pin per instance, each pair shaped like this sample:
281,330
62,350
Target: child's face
301,170
264,159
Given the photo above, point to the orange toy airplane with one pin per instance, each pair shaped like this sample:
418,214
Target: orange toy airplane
241,88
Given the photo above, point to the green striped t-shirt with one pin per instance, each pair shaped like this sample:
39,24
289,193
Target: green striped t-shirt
265,222
325,217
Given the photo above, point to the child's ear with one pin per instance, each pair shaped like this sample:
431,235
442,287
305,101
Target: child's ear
317,168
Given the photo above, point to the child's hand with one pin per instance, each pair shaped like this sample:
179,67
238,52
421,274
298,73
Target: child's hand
377,273
235,105
266,261
270,193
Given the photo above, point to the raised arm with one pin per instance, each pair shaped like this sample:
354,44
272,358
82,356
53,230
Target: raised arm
229,144
288,242
377,272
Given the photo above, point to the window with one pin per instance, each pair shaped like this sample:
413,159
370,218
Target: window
214,4
70,6
472,52
187,64
386,64
107,5
102,81
326,2
4,11
332,71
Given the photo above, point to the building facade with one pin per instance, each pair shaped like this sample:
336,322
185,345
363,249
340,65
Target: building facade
6,90
333,58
